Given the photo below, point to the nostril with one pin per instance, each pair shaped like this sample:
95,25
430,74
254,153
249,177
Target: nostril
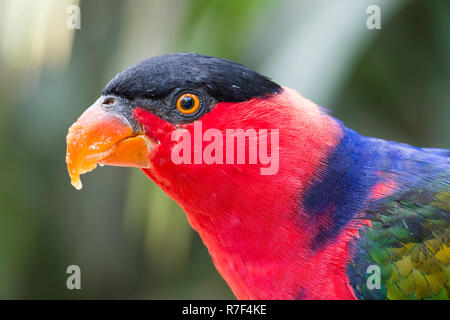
109,101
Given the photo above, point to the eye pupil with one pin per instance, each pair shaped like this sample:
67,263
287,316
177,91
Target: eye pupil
187,103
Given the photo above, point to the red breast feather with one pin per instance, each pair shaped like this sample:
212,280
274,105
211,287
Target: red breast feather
253,224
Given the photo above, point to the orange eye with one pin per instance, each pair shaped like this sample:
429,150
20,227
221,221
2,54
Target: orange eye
188,103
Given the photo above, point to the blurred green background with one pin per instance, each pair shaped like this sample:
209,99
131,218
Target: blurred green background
129,238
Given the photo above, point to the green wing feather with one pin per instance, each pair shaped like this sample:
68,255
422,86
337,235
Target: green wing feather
409,241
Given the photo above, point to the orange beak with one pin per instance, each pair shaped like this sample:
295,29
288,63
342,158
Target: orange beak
99,137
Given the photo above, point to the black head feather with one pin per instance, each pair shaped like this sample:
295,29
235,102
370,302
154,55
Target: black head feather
222,79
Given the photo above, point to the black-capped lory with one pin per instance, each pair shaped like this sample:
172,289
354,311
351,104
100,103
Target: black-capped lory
290,203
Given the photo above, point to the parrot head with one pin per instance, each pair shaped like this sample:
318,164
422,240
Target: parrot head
142,107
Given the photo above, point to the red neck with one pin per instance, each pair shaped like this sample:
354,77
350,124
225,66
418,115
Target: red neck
253,225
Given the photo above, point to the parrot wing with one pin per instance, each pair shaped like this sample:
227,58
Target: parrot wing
408,242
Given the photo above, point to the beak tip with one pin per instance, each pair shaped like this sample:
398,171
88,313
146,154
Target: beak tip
76,183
